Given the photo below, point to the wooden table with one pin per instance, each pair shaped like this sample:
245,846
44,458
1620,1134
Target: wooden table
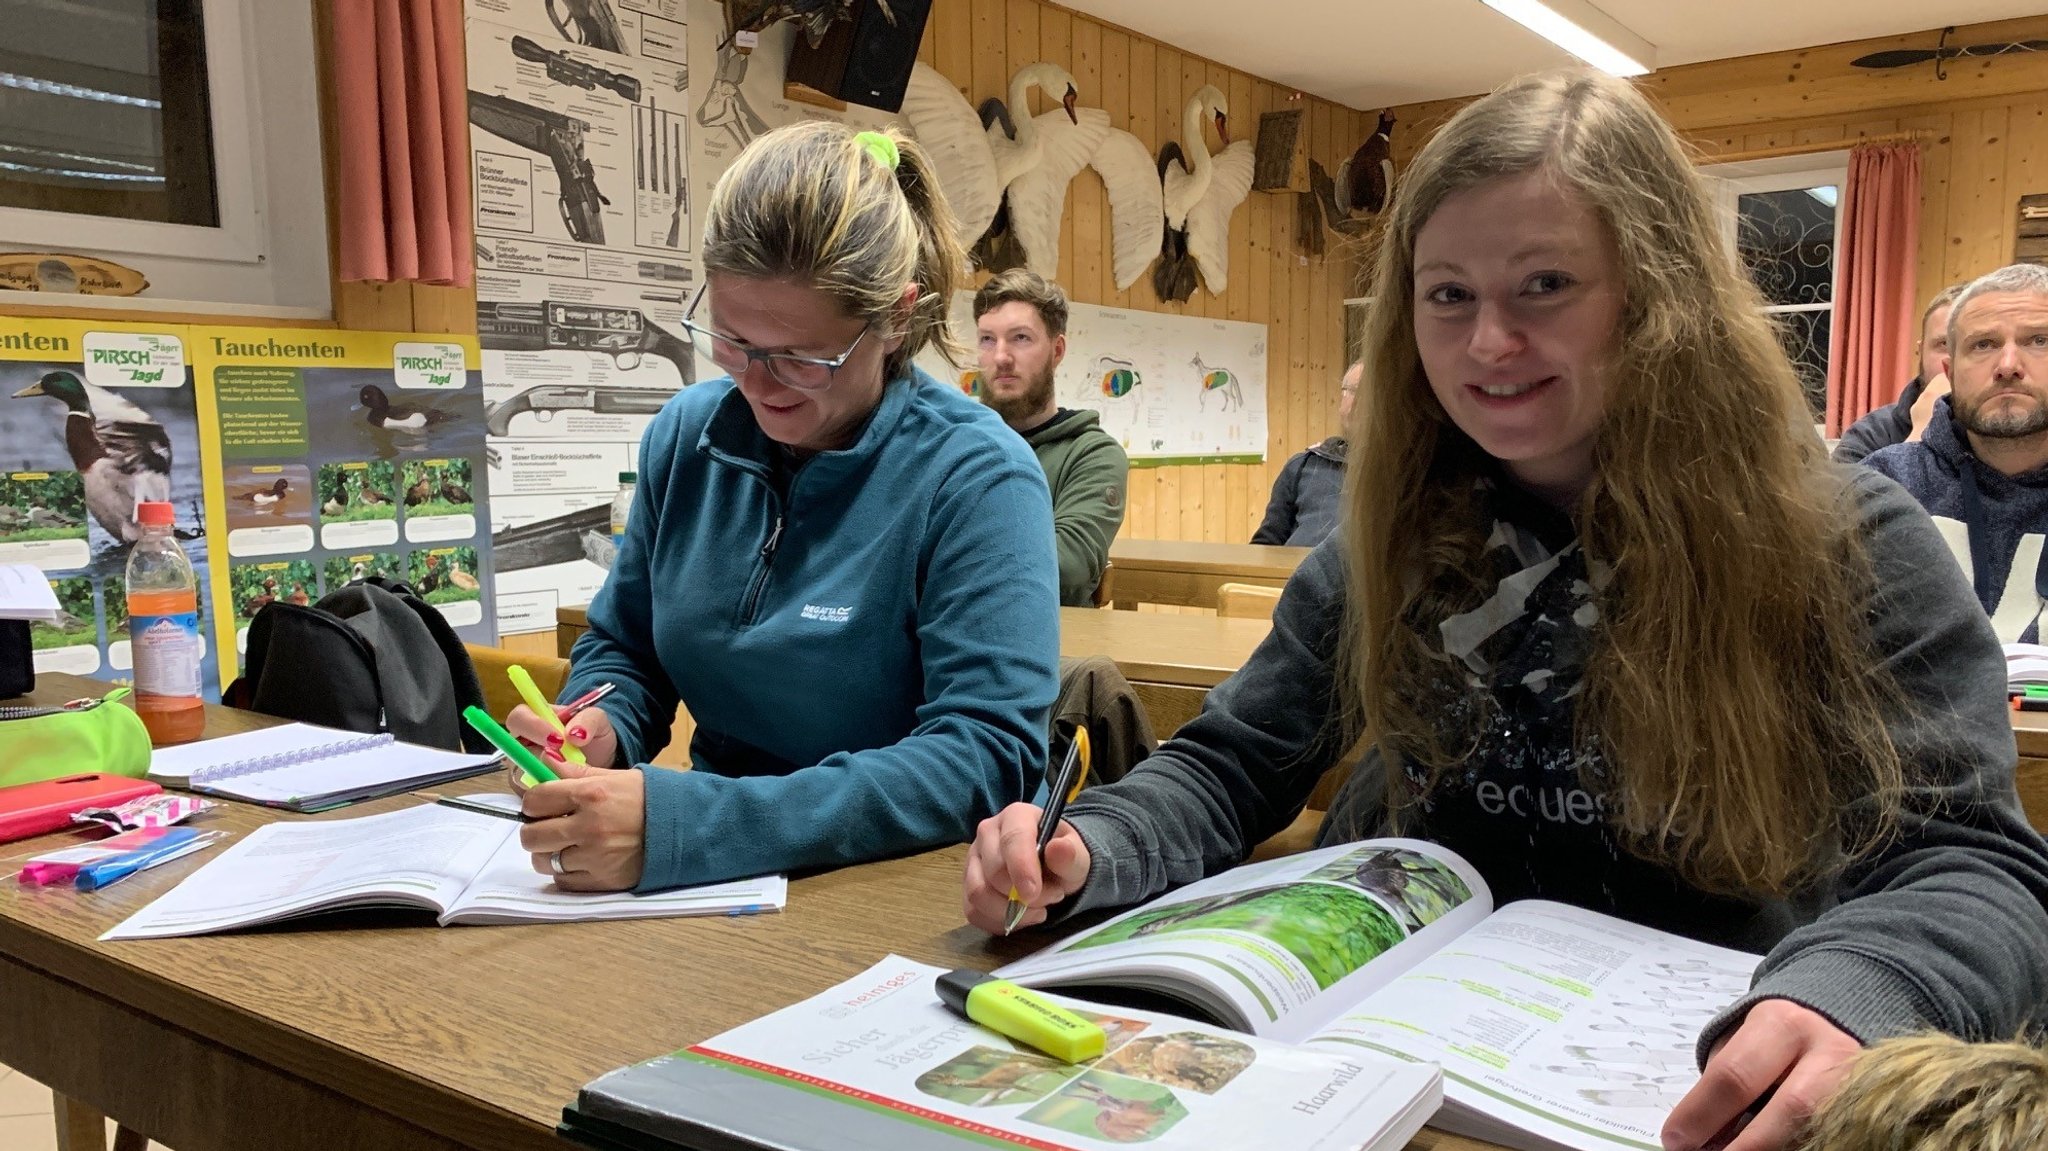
371,1030
2030,728
1188,572
1172,660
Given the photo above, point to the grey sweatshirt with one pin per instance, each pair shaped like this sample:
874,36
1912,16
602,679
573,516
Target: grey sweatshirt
1307,499
1944,928
1993,523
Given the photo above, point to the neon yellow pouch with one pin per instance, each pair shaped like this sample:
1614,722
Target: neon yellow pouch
87,735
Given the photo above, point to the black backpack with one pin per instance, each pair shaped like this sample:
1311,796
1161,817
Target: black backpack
371,657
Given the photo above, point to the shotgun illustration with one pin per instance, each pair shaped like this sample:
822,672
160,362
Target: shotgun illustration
590,22
560,139
624,334
563,68
544,400
551,541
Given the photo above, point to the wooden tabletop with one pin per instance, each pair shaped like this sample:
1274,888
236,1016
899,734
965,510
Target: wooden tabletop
1186,650
2031,729
458,1037
1249,561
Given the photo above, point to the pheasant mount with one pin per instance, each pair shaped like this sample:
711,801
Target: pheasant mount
76,275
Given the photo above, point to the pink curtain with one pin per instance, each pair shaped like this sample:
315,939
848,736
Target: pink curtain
403,148
1871,337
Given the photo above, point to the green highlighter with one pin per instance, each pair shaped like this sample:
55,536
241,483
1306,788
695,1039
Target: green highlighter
508,743
1022,1014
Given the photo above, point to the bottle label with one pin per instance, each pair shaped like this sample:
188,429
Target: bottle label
165,649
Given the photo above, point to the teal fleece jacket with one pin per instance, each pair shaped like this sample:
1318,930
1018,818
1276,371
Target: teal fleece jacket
870,661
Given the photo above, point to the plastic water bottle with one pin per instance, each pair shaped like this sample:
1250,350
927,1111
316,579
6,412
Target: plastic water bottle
163,630
622,504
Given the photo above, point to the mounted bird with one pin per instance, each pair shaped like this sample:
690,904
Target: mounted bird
976,162
1036,201
122,453
1199,193
1365,182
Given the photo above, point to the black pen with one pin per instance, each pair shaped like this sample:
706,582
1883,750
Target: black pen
482,808
1060,790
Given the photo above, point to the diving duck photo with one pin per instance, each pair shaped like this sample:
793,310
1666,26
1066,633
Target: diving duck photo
459,578
261,600
42,517
298,595
121,452
268,497
431,578
338,503
453,492
371,495
401,417
420,492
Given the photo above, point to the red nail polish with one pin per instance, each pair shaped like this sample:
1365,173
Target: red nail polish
578,734
554,739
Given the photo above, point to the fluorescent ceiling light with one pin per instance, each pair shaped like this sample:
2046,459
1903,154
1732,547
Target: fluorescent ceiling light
1585,32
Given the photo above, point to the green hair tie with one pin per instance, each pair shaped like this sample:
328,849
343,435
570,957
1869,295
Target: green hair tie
880,147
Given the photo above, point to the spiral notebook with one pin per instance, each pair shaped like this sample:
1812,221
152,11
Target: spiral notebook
306,768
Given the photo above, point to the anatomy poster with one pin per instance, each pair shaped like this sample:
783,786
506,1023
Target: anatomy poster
98,417
341,455
1171,389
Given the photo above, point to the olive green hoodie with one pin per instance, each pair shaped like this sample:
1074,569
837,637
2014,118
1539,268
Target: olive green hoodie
1086,470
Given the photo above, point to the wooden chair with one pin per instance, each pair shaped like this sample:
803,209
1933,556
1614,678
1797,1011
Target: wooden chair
1102,586
549,673
1246,601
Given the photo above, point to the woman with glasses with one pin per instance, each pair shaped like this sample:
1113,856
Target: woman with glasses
841,566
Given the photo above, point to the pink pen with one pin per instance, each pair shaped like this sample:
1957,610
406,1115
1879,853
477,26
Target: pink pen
585,700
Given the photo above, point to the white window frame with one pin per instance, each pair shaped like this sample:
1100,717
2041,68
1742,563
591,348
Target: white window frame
267,256
1783,174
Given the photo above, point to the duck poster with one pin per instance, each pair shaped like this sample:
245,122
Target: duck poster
95,418
343,455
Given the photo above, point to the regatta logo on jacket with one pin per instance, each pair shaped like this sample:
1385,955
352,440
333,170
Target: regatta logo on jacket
827,614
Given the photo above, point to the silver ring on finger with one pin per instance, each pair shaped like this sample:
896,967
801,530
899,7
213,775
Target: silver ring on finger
555,863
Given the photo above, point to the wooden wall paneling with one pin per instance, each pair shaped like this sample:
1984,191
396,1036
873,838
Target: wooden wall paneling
951,33
2026,165
989,76
1022,41
1167,101
1976,195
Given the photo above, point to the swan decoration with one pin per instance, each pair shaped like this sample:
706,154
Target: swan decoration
1037,199
1200,192
975,158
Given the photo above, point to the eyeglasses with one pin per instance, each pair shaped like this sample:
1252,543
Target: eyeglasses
804,373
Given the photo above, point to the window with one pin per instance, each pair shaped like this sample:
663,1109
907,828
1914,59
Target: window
1784,219
155,133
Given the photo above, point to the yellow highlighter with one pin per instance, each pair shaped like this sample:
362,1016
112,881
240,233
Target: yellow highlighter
1022,1014
539,705
1061,789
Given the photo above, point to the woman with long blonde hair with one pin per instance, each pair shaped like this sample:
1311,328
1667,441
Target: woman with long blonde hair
809,558
1617,631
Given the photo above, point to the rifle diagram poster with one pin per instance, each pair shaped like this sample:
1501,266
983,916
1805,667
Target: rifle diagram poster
581,140
97,418
1171,389
294,460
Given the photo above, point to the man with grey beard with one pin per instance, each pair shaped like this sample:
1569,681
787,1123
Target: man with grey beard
1981,470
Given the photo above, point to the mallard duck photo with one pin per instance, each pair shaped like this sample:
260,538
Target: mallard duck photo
266,497
121,451
402,417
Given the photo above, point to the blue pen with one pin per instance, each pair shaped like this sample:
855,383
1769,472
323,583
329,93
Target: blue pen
176,841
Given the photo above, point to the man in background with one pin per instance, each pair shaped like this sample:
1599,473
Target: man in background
1906,420
1982,468
1020,323
1307,498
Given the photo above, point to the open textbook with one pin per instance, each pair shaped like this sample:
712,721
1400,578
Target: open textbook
466,865
1554,1026
876,1062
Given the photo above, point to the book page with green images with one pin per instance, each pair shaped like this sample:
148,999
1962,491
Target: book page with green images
878,1061
1555,1021
1283,947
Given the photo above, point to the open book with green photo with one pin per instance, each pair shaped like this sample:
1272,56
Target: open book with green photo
1554,1026
878,1062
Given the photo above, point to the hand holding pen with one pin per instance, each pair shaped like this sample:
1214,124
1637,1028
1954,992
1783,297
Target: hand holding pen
1025,859
576,725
